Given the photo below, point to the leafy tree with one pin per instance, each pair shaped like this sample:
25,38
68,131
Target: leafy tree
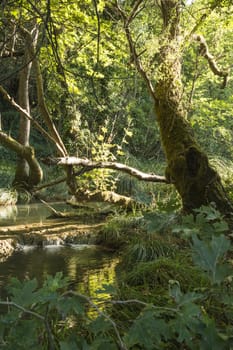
188,167
80,61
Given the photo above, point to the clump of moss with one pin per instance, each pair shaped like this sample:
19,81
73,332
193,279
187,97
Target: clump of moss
119,231
148,250
157,273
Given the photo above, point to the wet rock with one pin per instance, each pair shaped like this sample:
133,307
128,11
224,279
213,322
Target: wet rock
7,247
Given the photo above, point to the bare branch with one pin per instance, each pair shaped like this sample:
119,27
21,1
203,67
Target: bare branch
204,51
98,31
136,9
101,313
88,164
133,51
60,179
21,308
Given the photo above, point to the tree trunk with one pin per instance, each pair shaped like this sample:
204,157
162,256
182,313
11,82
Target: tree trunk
22,168
188,166
26,175
24,152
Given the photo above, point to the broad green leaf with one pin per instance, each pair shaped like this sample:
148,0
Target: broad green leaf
147,331
208,255
100,325
23,293
211,339
70,305
68,345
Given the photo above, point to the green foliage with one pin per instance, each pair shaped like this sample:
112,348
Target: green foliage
191,314
119,230
99,148
209,256
206,222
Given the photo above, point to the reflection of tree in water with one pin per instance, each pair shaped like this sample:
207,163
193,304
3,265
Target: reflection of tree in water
88,269
27,213
8,212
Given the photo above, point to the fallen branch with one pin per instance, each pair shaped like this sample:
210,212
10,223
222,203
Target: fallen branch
89,165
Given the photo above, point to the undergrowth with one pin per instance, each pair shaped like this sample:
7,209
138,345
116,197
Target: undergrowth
174,292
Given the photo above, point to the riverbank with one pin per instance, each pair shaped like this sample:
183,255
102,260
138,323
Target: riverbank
52,232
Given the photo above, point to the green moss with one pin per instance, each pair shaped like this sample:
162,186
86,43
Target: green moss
157,273
119,231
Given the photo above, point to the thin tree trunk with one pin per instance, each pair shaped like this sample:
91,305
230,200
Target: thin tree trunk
26,175
22,168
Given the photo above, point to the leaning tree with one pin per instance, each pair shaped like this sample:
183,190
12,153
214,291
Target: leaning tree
188,167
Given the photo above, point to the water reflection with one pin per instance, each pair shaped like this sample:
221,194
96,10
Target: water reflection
88,267
28,213
8,212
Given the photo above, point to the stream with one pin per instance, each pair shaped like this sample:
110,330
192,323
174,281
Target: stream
88,267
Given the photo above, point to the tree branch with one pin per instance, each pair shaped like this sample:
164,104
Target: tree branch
135,56
25,152
40,95
204,51
101,313
88,164
27,115
98,32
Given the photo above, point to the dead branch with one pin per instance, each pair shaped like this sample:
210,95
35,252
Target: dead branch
60,179
204,51
89,165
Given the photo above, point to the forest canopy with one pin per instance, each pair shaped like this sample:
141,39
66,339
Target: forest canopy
117,82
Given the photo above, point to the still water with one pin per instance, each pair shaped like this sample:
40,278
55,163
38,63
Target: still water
87,267
28,214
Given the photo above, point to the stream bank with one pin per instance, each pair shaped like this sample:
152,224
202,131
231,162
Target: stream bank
63,232
29,225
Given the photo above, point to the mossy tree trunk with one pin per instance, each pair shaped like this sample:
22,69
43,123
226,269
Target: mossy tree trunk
188,167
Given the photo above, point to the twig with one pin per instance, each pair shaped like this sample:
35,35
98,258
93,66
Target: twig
101,313
35,314
11,303
135,56
98,32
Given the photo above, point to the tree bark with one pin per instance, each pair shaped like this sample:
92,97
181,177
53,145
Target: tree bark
90,165
27,174
22,168
24,152
188,167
